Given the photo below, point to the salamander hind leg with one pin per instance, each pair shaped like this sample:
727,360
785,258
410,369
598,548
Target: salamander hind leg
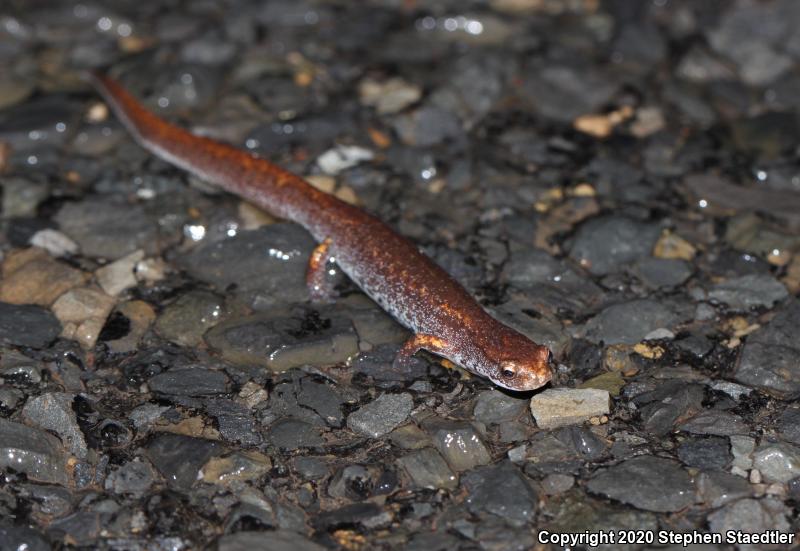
415,344
318,280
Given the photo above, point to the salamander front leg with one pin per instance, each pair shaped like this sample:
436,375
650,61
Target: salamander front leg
414,345
320,285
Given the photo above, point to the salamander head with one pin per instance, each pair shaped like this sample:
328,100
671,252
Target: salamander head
522,364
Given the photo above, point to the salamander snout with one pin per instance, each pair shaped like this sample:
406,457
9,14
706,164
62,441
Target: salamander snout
525,372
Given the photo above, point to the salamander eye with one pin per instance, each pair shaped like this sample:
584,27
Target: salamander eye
508,372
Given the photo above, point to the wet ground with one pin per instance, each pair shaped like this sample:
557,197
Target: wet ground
618,180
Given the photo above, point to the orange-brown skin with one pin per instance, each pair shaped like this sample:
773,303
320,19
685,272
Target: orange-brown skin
445,319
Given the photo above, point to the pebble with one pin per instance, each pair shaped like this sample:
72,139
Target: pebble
428,126
646,482
282,340
189,381
659,272
603,245
108,227
751,516
669,403
118,276
390,96
493,406
789,425
233,420
768,359
186,320
721,423
428,469
234,468
134,477
749,291
83,312
555,483
630,322
558,407
278,540
31,276
54,412
179,458
343,157
54,242
382,415
459,443
139,315
705,453
742,449
267,265
716,488
501,490
292,434
34,452
27,325
778,462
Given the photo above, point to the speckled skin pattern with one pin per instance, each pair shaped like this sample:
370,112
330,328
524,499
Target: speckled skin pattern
389,268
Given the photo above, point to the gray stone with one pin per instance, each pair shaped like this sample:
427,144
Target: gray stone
109,226
189,381
646,482
539,272
558,407
53,411
378,364
428,469
267,266
458,442
322,399
605,244
134,477
283,339
310,468
27,325
234,421
179,458
778,462
555,483
34,452
662,272
293,434
186,320
146,414
493,406
789,425
10,398
382,415
22,538
427,126
749,291
713,421
671,402
563,92
716,488
742,449
274,540
630,322
705,453
697,346
752,516
770,359
502,491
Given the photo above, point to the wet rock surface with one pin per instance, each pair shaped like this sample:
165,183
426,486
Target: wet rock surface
617,180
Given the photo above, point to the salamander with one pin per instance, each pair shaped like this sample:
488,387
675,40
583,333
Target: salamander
445,319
